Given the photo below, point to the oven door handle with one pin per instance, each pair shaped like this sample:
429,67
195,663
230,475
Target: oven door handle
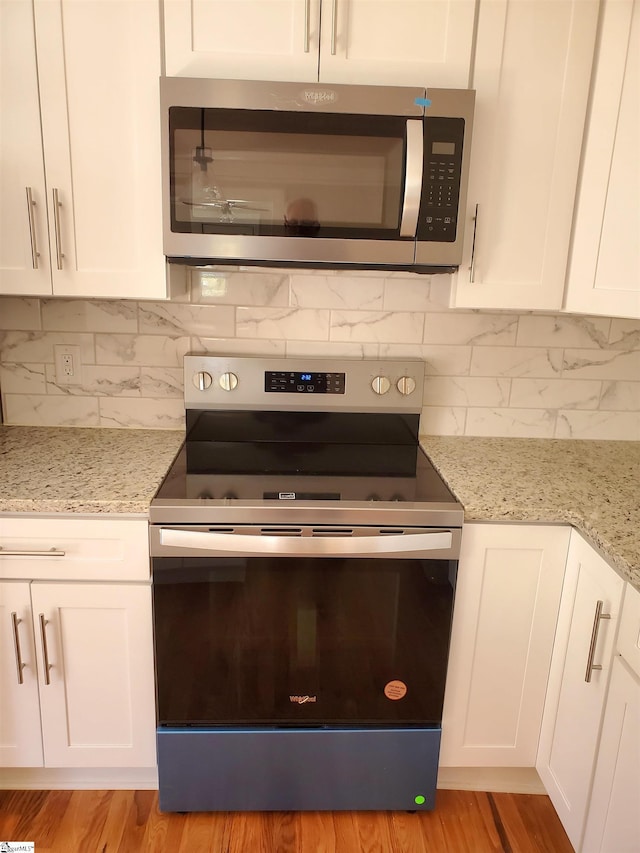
240,544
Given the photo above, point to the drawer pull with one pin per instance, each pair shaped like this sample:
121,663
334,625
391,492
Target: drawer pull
52,552
594,639
45,650
16,642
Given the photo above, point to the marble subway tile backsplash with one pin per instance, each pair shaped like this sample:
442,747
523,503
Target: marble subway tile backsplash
490,373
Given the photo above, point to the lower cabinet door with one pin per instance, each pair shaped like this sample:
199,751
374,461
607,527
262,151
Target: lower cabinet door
96,662
578,682
613,821
20,736
505,611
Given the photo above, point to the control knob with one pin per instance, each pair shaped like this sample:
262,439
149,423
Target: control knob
380,384
228,381
406,385
202,380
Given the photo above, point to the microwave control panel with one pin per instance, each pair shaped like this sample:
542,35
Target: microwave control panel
442,169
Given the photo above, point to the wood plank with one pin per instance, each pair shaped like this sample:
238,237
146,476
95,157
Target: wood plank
528,824
461,821
141,806
46,821
318,832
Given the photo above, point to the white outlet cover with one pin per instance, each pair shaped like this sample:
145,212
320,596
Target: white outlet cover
63,376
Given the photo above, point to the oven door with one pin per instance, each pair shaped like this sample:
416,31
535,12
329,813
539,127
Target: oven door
294,627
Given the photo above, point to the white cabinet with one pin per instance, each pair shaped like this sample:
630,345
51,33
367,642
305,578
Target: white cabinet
604,269
531,73
578,680
506,605
613,820
76,662
80,195
392,42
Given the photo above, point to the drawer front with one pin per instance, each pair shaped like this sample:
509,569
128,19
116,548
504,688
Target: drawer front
629,633
74,548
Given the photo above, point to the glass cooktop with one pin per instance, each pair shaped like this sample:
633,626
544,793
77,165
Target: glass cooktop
287,456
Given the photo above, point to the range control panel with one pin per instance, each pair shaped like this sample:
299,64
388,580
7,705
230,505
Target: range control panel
301,382
293,384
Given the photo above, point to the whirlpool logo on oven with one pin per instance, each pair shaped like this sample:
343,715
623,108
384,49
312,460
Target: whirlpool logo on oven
302,700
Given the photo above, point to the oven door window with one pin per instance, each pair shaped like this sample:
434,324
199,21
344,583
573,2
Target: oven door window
291,641
286,174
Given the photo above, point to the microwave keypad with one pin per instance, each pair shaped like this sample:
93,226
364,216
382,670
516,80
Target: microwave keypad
442,167
442,187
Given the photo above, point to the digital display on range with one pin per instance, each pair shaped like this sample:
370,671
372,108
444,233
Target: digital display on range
298,382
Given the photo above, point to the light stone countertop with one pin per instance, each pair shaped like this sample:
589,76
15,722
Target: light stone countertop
592,485
83,470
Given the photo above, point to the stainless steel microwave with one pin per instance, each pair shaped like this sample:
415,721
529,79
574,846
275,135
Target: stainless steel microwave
312,175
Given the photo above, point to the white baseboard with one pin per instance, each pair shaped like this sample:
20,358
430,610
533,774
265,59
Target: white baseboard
510,780
79,778
514,780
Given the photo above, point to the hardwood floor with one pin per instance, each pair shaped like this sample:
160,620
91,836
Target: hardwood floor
129,822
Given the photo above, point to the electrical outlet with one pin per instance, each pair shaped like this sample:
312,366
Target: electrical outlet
68,364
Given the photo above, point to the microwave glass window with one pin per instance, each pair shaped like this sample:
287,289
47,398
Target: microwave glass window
290,183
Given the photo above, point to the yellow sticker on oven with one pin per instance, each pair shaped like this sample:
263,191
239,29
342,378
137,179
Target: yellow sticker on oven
395,690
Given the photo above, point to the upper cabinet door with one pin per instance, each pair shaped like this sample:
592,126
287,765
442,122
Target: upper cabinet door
604,271
397,42
531,73
98,68
242,39
24,243
385,42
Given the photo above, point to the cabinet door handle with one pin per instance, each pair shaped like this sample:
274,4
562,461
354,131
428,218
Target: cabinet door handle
45,650
472,266
35,254
594,639
57,204
307,15
16,642
52,552
334,26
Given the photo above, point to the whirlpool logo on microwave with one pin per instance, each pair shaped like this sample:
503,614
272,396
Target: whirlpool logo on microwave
302,700
319,96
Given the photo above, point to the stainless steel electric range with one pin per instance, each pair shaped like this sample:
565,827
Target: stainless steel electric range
304,557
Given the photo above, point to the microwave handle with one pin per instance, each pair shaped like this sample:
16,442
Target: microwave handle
413,178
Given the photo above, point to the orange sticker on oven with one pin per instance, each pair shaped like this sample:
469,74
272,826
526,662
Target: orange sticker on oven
395,690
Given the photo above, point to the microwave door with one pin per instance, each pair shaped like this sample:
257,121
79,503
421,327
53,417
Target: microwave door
293,187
